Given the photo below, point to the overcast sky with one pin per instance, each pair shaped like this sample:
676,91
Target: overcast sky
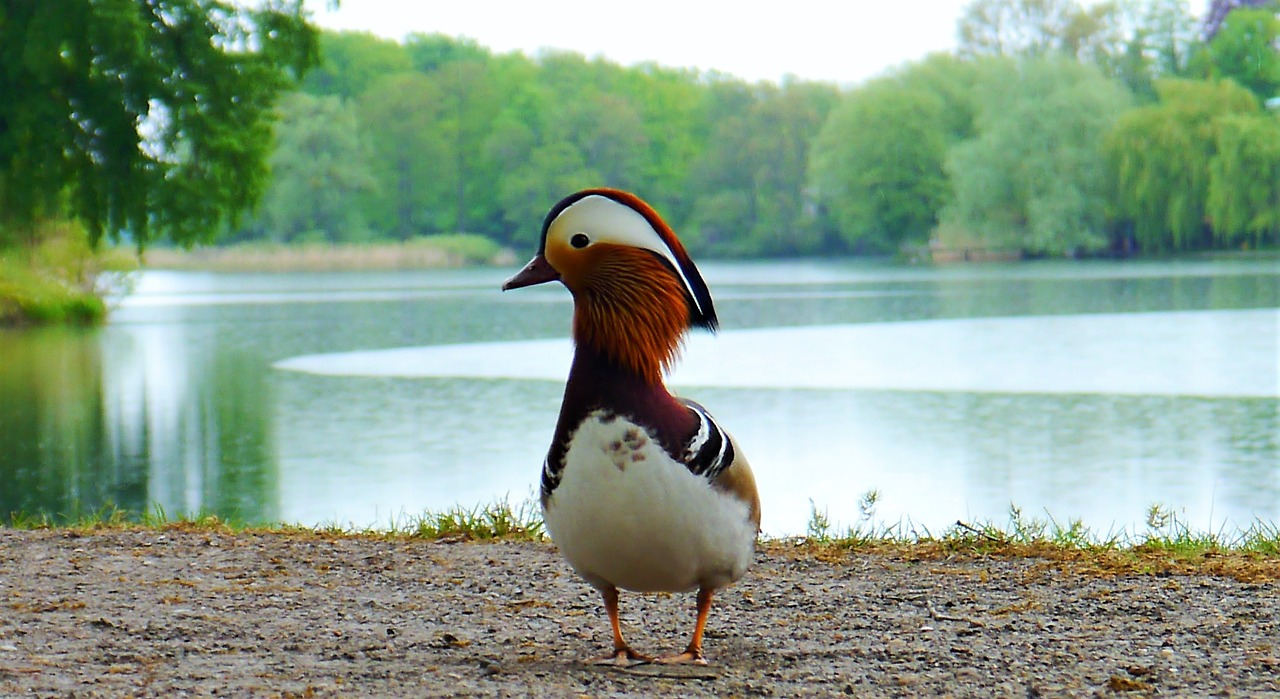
843,42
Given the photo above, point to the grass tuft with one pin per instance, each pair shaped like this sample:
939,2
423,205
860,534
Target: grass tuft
1263,538
110,516
1168,546
498,520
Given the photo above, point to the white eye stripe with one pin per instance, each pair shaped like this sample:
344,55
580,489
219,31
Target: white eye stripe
612,222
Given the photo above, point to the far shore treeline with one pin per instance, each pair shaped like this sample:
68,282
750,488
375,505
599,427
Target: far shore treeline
1056,129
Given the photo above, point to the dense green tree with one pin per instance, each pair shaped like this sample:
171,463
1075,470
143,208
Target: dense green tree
877,164
318,173
352,61
1032,178
551,171
1245,50
142,118
784,126
471,98
148,119
723,176
610,135
406,156
429,52
631,128
1243,205
1158,162
751,176
1004,139
585,105
671,105
1217,11
952,80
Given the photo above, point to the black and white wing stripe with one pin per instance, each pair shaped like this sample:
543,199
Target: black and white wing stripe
553,465
551,471
710,451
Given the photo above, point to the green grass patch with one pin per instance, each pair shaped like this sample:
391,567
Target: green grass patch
61,279
423,252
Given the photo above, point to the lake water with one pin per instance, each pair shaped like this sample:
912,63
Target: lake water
1072,390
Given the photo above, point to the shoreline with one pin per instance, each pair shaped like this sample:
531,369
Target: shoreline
426,252
163,611
1168,547
453,251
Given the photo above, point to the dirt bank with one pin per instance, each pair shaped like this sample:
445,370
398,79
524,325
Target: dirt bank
202,613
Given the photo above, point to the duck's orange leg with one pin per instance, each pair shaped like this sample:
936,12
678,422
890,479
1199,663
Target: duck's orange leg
693,654
622,655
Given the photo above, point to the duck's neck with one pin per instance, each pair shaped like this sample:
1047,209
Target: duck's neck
630,314
598,383
598,380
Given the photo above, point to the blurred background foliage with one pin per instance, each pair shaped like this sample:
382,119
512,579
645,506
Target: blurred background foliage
1056,128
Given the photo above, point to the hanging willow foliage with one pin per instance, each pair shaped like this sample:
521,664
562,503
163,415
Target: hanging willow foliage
142,118
1159,157
1244,180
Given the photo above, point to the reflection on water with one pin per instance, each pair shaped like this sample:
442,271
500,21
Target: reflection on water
137,419
203,414
175,402
133,419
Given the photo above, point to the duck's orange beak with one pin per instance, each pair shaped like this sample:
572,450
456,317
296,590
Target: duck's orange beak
538,271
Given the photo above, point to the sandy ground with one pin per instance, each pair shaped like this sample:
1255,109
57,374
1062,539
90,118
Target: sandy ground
203,613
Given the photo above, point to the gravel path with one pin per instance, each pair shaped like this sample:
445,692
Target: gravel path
203,613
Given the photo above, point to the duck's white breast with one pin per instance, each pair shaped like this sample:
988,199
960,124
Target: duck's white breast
625,513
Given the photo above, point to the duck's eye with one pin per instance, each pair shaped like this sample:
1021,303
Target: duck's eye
579,240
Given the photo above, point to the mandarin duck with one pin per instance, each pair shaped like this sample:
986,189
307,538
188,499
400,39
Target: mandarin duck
641,490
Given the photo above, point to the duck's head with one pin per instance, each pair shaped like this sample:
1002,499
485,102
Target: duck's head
634,287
